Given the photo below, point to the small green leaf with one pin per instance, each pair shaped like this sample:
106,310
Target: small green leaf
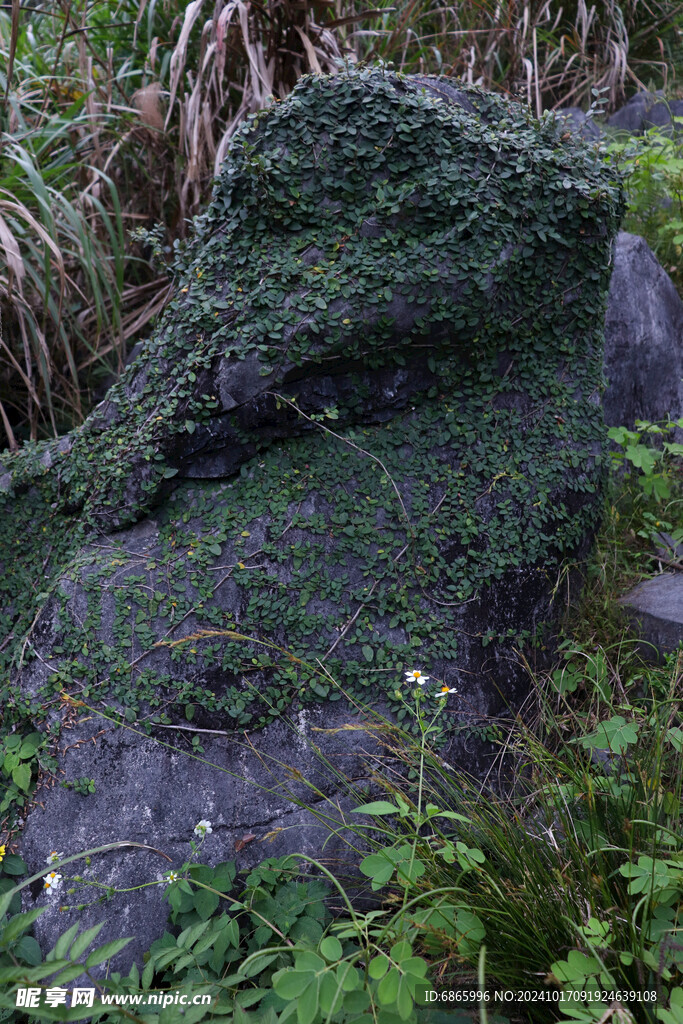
387,990
14,865
378,807
404,999
401,950
309,961
348,977
331,948
148,974
379,868
379,966
289,984
21,775
205,903
675,738
330,994
18,925
28,950
62,944
30,745
307,1006
106,951
84,940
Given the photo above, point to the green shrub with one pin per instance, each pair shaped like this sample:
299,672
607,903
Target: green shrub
653,169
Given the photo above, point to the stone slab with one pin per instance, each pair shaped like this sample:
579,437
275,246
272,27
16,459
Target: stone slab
656,610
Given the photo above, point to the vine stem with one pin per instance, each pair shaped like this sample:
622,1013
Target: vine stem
361,451
6,897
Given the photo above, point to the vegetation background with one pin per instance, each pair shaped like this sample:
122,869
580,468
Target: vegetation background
114,116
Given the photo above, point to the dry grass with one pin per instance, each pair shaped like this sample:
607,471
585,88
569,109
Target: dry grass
544,52
249,52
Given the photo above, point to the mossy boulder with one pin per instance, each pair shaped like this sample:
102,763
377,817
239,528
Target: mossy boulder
365,436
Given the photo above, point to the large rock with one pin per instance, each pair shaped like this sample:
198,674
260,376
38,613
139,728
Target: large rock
655,610
647,110
643,338
642,112
154,794
375,399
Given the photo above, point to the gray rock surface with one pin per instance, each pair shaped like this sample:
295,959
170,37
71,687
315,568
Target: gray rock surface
643,338
655,609
646,110
641,112
155,794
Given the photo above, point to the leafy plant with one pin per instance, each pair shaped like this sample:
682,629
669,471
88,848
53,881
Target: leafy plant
16,946
71,293
17,752
653,168
22,964
659,464
579,875
84,785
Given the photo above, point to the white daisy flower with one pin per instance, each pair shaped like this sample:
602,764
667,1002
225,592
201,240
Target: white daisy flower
52,882
203,828
415,676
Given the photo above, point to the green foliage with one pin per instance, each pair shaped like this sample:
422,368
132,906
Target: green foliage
71,167
576,878
478,469
17,752
580,875
659,464
653,169
276,951
263,950
83,785
88,150
16,946
23,753
21,961
640,534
